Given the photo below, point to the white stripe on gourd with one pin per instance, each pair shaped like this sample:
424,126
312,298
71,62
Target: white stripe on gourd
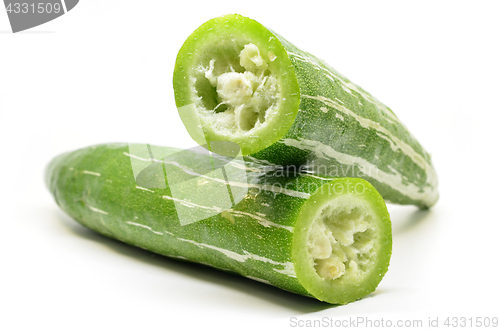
262,221
347,86
393,140
428,195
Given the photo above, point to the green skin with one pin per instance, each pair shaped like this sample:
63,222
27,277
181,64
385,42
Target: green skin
324,119
96,187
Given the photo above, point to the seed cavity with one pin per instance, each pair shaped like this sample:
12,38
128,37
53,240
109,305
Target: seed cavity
237,94
341,237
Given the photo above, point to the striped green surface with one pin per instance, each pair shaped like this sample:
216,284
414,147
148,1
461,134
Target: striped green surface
261,236
338,129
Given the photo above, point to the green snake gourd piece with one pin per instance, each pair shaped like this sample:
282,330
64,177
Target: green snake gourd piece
235,80
326,238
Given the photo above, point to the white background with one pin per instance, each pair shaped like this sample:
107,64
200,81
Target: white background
103,73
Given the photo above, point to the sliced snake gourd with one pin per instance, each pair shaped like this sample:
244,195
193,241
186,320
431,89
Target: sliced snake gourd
325,238
235,80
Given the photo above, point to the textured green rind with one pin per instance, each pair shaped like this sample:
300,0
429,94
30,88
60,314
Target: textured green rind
96,187
337,123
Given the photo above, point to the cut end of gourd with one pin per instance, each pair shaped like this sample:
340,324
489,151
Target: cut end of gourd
234,81
235,91
341,239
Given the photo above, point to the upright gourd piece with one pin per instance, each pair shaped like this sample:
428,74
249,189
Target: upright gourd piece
235,80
